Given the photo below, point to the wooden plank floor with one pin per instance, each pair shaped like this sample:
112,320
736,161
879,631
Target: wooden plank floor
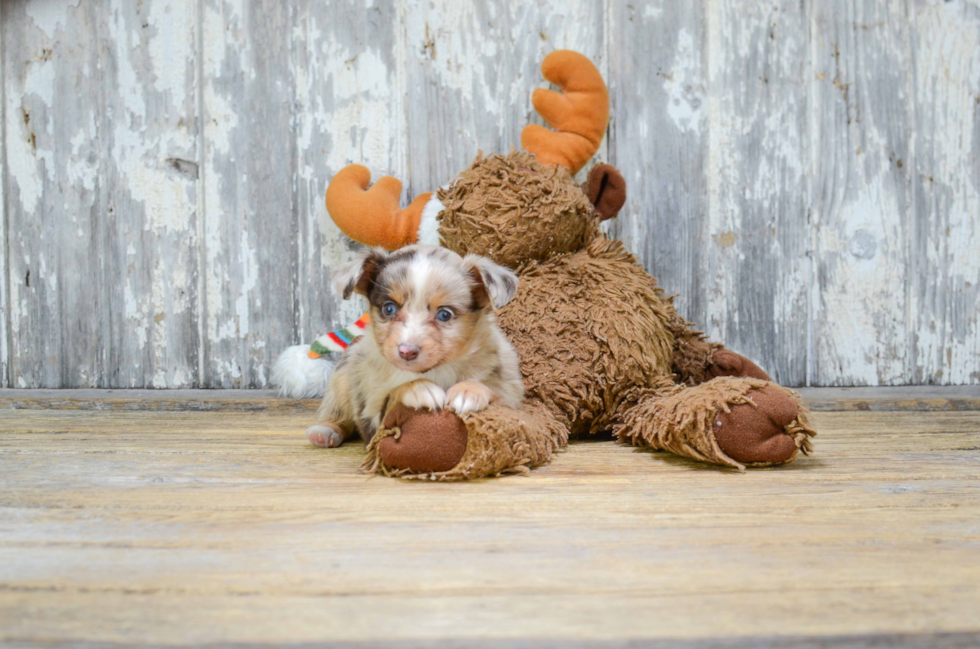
190,528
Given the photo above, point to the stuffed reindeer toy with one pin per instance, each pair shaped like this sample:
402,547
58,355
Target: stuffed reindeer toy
601,348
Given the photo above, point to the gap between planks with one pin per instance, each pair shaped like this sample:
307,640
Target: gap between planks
877,399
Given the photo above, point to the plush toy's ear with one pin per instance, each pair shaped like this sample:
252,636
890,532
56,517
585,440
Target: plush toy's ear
606,190
357,276
493,284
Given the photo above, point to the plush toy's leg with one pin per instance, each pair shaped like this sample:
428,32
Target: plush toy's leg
735,422
697,359
692,351
725,362
442,446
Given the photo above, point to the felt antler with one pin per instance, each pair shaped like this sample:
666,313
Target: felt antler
579,114
371,216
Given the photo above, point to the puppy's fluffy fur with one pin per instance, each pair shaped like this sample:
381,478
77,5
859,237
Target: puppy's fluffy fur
434,341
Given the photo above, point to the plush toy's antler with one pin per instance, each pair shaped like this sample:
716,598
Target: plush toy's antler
371,216
579,114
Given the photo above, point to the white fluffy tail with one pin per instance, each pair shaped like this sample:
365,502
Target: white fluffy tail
300,377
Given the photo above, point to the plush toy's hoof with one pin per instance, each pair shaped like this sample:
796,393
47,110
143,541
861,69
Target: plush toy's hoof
727,363
429,442
762,433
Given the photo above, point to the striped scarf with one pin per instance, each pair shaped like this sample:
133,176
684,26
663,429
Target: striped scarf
339,339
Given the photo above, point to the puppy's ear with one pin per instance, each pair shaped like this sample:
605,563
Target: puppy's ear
492,284
357,276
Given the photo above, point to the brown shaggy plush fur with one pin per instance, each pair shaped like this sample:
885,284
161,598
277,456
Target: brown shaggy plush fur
584,364
501,441
512,209
682,420
692,352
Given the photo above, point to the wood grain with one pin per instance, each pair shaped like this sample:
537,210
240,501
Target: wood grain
889,399
659,94
348,107
757,221
804,176
186,528
101,141
249,171
150,183
4,288
944,290
862,111
470,69
54,195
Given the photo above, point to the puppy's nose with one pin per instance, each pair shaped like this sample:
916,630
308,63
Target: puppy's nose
408,352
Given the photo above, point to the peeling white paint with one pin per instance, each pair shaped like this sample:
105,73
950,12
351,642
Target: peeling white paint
51,15
686,104
861,281
81,167
947,335
135,310
652,11
458,61
25,109
361,121
250,277
171,52
4,303
756,187
129,88
167,204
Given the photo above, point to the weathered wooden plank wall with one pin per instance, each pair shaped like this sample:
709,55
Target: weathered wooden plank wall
806,176
4,311
944,275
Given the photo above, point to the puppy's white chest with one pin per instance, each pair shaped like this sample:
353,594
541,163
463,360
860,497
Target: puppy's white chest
445,376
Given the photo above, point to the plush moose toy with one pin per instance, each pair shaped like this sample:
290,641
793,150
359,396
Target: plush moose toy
602,349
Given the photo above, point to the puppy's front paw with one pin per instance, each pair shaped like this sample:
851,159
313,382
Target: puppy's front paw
324,436
468,396
423,395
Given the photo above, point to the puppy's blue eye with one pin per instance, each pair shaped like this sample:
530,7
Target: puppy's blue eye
389,309
444,315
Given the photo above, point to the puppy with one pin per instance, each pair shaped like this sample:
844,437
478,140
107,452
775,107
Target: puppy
434,341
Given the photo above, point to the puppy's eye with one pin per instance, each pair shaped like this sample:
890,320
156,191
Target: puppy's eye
389,309
444,315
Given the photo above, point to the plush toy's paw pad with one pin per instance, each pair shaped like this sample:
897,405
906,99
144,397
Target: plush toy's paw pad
423,395
324,437
727,363
427,441
760,433
468,396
